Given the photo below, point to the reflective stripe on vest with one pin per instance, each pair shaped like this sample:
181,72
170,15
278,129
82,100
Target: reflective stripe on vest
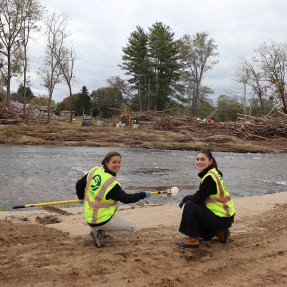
220,203
90,177
99,203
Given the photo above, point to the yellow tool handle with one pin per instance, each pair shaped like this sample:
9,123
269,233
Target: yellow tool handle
48,203
168,192
157,192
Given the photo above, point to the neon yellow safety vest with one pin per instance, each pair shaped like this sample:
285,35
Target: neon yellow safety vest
97,208
220,203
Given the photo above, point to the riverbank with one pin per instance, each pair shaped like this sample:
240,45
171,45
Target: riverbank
41,248
72,134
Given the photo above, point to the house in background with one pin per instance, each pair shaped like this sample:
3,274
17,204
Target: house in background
19,107
66,114
43,110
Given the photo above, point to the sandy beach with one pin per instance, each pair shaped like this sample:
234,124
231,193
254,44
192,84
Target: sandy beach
44,248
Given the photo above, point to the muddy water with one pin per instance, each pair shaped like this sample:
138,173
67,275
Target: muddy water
30,174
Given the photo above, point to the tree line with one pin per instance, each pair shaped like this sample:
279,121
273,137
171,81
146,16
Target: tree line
162,73
18,20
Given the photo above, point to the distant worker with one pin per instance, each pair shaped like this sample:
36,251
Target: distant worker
209,212
101,192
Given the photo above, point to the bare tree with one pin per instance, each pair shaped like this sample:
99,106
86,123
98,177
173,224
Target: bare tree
62,59
12,16
199,55
50,72
33,13
273,60
250,74
66,58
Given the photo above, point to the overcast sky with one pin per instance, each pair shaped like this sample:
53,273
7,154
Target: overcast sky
100,29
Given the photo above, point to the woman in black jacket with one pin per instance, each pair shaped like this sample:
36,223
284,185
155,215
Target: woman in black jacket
209,212
101,192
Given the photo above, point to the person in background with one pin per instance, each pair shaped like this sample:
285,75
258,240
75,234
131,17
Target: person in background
210,211
102,192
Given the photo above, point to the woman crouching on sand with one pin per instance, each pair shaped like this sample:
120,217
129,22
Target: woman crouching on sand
101,192
209,212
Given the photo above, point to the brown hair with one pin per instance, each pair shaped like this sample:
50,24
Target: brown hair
109,155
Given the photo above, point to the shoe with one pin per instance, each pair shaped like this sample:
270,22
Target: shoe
189,242
98,237
223,236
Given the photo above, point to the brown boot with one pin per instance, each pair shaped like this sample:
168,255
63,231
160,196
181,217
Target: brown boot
190,242
223,236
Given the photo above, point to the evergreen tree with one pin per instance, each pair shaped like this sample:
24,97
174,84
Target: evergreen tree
137,65
151,61
21,95
83,102
164,54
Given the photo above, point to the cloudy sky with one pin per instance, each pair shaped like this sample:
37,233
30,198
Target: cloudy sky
100,29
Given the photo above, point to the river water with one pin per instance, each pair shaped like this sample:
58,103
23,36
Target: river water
31,174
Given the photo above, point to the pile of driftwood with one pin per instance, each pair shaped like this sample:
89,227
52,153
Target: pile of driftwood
9,116
246,127
161,121
253,128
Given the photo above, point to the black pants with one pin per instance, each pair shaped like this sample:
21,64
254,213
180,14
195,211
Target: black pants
198,221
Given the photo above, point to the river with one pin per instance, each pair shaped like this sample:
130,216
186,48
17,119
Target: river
31,174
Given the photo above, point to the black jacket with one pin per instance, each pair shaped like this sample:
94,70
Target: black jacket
207,188
116,193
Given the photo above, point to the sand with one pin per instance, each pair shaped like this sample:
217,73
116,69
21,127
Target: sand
42,248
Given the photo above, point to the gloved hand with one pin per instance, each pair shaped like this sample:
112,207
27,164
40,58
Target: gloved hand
180,203
147,193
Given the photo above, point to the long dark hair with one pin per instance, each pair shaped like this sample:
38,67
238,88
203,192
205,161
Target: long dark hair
208,153
108,157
